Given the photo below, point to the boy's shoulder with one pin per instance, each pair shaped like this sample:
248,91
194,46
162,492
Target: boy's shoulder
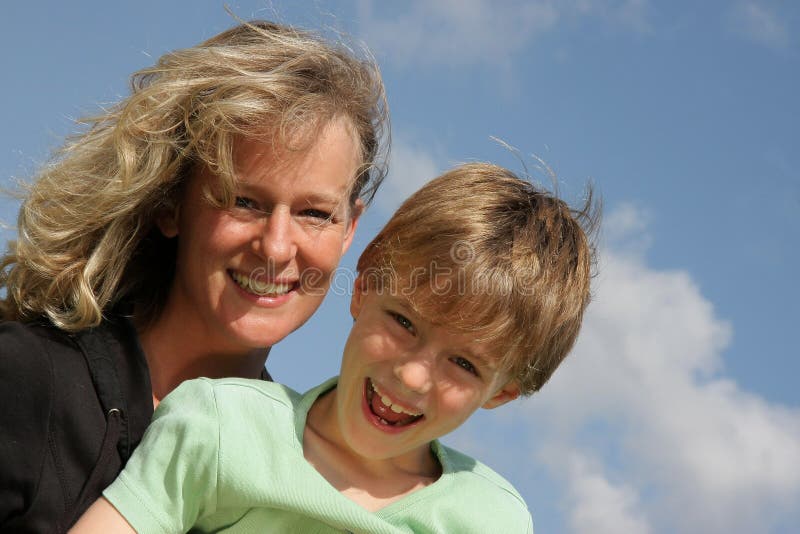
480,493
250,414
251,396
247,387
474,472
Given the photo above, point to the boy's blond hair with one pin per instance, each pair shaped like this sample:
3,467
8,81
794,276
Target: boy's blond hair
87,235
482,251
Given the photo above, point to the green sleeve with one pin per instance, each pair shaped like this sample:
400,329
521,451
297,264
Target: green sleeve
171,479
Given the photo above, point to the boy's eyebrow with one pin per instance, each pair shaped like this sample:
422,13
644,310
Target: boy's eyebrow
485,361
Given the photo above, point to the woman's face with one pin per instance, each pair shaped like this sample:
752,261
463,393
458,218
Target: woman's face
249,275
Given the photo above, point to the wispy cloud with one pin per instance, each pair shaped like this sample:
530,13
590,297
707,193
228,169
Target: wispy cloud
760,23
457,32
642,421
411,167
631,14
599,506
634,14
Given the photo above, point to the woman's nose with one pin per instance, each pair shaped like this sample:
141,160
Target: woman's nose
414,374
276,242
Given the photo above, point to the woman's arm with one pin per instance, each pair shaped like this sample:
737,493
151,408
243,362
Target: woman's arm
102,517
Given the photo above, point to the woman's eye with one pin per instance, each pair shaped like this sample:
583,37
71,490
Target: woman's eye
466,365
317,214
244,202
402,321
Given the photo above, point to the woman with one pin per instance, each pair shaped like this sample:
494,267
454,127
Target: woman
188,229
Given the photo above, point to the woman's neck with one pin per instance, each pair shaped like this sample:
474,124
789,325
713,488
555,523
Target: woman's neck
176,352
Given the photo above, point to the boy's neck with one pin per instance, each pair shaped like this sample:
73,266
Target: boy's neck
371,483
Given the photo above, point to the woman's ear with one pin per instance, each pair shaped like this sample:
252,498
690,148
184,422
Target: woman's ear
167,221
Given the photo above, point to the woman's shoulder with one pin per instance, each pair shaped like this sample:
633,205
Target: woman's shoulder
25,348
15,333
25,360
78,377
37,346
49,363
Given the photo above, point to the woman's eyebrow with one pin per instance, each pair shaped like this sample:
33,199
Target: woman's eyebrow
318,197
313,197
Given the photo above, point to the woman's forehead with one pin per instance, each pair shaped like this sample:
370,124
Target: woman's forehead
284,145
329,162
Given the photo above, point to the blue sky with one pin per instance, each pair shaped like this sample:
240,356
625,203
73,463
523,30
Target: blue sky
678,410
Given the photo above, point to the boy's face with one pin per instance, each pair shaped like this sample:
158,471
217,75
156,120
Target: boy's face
405,381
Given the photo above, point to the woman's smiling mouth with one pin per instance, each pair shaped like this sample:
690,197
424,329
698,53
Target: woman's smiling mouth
259,287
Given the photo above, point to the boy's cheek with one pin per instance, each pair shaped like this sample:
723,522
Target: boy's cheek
460,405
379,347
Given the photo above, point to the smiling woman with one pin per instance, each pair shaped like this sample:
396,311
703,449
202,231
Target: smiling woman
186,230
248,275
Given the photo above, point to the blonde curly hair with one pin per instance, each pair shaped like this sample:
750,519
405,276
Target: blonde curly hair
86,229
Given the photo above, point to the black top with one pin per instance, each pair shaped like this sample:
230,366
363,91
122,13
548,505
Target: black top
72,408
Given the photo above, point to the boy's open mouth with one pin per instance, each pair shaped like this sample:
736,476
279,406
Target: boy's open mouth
388,413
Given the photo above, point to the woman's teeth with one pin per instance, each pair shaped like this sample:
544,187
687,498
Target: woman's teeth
260,288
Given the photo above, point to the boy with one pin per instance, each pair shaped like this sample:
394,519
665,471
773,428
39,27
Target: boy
470,296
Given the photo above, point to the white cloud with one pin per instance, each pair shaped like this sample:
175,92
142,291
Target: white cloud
675,445
597,506
410,168
625,230
454,32
759,23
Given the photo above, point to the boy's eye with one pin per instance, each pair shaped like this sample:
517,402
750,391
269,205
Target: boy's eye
402,321
465,364
244,202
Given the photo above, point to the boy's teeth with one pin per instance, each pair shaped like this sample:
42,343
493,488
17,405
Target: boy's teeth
386,401
260,288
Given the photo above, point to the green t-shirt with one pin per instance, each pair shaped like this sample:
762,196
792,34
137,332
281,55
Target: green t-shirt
227,455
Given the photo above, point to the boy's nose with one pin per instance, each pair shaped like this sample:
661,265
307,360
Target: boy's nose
276,243
415,375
